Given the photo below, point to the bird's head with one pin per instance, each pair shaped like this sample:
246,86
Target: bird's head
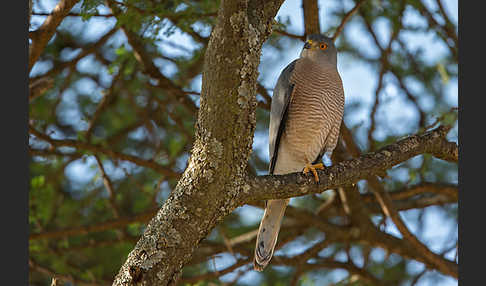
319,48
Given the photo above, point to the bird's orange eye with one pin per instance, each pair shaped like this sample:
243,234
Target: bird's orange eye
322,46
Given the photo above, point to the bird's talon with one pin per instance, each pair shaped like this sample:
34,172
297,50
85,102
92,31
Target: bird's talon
313,168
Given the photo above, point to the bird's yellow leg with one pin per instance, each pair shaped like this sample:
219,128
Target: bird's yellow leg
313,168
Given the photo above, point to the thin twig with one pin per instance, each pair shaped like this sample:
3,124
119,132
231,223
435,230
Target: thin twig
346,19
82,230
101,150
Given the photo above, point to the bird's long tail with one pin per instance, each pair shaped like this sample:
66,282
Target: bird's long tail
268,232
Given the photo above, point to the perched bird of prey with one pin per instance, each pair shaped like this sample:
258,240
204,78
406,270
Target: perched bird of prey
305,117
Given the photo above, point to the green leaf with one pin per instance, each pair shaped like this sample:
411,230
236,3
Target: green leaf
37,181
89,8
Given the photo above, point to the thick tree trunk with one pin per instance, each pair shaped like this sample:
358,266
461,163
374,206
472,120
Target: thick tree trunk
207,191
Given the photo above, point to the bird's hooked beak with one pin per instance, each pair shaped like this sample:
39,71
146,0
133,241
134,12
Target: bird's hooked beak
308,44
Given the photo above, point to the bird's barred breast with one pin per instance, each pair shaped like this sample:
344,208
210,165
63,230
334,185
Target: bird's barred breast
317,106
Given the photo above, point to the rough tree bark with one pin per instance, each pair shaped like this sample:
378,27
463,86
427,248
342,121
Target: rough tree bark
224,135
346,173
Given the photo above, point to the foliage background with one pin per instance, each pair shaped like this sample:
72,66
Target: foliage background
122,127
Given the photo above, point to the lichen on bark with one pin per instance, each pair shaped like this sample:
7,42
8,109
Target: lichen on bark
208,189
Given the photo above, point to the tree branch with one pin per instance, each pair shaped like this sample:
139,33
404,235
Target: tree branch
56,276
311,17
450,153
346,19
351,171
81,230
41,36
97,149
